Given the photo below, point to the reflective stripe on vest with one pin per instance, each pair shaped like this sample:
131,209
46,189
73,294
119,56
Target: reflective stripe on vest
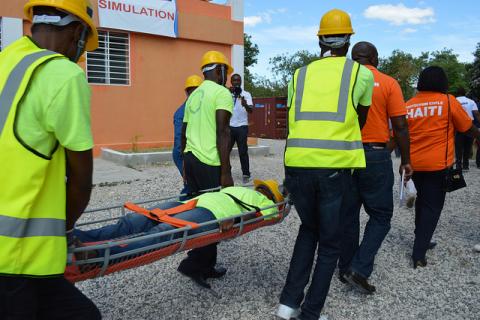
14,81
324,144
338,116
23,228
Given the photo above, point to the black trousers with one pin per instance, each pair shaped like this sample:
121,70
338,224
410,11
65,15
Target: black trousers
477,157
463,149
239,135
43,299
199,177
428,207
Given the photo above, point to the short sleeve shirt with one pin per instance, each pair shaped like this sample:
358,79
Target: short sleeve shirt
240,115
56,108
222,206
387,102
428,120
200,116
468,105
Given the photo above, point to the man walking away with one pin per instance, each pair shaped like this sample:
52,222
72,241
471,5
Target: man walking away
46,160
192,83
242,106
328,103
206,152
373,186
464,142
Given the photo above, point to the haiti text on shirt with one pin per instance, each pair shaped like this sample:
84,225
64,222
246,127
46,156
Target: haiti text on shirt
426,109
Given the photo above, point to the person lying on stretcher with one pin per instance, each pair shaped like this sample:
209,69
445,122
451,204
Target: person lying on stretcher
228,202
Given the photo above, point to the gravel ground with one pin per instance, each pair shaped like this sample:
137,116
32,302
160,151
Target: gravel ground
257,263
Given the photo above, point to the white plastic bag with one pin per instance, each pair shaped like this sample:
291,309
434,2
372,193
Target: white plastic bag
408,192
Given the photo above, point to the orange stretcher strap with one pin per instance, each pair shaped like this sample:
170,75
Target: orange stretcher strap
164,215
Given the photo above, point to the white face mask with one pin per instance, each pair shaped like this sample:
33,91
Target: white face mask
327,54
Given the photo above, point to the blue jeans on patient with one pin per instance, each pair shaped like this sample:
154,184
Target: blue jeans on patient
372,188
134,223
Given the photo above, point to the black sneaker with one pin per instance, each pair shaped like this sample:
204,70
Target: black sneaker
419,263
360,282
199,279
215,273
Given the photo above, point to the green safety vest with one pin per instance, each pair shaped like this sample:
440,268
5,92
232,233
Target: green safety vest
323,129
32,188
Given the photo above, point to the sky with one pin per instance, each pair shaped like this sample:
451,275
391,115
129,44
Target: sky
284,26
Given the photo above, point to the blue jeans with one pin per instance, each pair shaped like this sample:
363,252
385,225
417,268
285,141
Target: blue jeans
178,160
319,197
372,188
134,223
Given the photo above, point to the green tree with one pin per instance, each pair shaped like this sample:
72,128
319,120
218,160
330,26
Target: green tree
474,71
283,66
456,71
250,59
405,68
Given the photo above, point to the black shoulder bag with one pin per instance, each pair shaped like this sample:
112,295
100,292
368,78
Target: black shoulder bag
454,179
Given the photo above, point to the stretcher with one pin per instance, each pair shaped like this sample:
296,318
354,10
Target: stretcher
80,269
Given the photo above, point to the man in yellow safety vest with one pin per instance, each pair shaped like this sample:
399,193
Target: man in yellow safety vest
46,160
328,104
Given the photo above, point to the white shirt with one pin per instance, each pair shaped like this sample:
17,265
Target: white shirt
468,105
240,115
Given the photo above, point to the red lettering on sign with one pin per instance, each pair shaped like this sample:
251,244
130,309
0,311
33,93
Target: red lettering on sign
129,8
102,4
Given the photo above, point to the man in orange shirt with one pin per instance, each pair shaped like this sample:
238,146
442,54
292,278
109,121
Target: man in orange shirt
373,186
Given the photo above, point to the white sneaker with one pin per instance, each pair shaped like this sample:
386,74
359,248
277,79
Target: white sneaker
285,312
476,247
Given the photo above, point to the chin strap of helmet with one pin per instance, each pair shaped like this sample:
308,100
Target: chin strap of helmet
81,44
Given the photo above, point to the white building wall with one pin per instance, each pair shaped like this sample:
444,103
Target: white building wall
238,51
12,29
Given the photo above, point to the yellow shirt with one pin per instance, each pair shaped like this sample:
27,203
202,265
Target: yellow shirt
56,108
200,116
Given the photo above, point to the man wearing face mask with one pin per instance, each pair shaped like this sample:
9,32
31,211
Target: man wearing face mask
243,105
206,152
46,160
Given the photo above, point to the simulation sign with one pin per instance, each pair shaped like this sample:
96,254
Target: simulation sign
146,16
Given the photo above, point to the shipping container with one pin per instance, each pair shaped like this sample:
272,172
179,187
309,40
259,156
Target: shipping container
269,118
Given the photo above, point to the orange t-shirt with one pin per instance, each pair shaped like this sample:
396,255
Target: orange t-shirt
427,123
387,102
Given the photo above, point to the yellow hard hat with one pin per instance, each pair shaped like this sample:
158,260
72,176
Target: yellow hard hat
212,57
335,22
193,81
271,185
82,9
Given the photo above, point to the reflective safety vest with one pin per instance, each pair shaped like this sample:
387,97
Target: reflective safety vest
32,185
323,124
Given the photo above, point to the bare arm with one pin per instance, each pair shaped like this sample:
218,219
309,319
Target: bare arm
247,107
402,138
222,118
476,114
79,184
362,112
473,132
